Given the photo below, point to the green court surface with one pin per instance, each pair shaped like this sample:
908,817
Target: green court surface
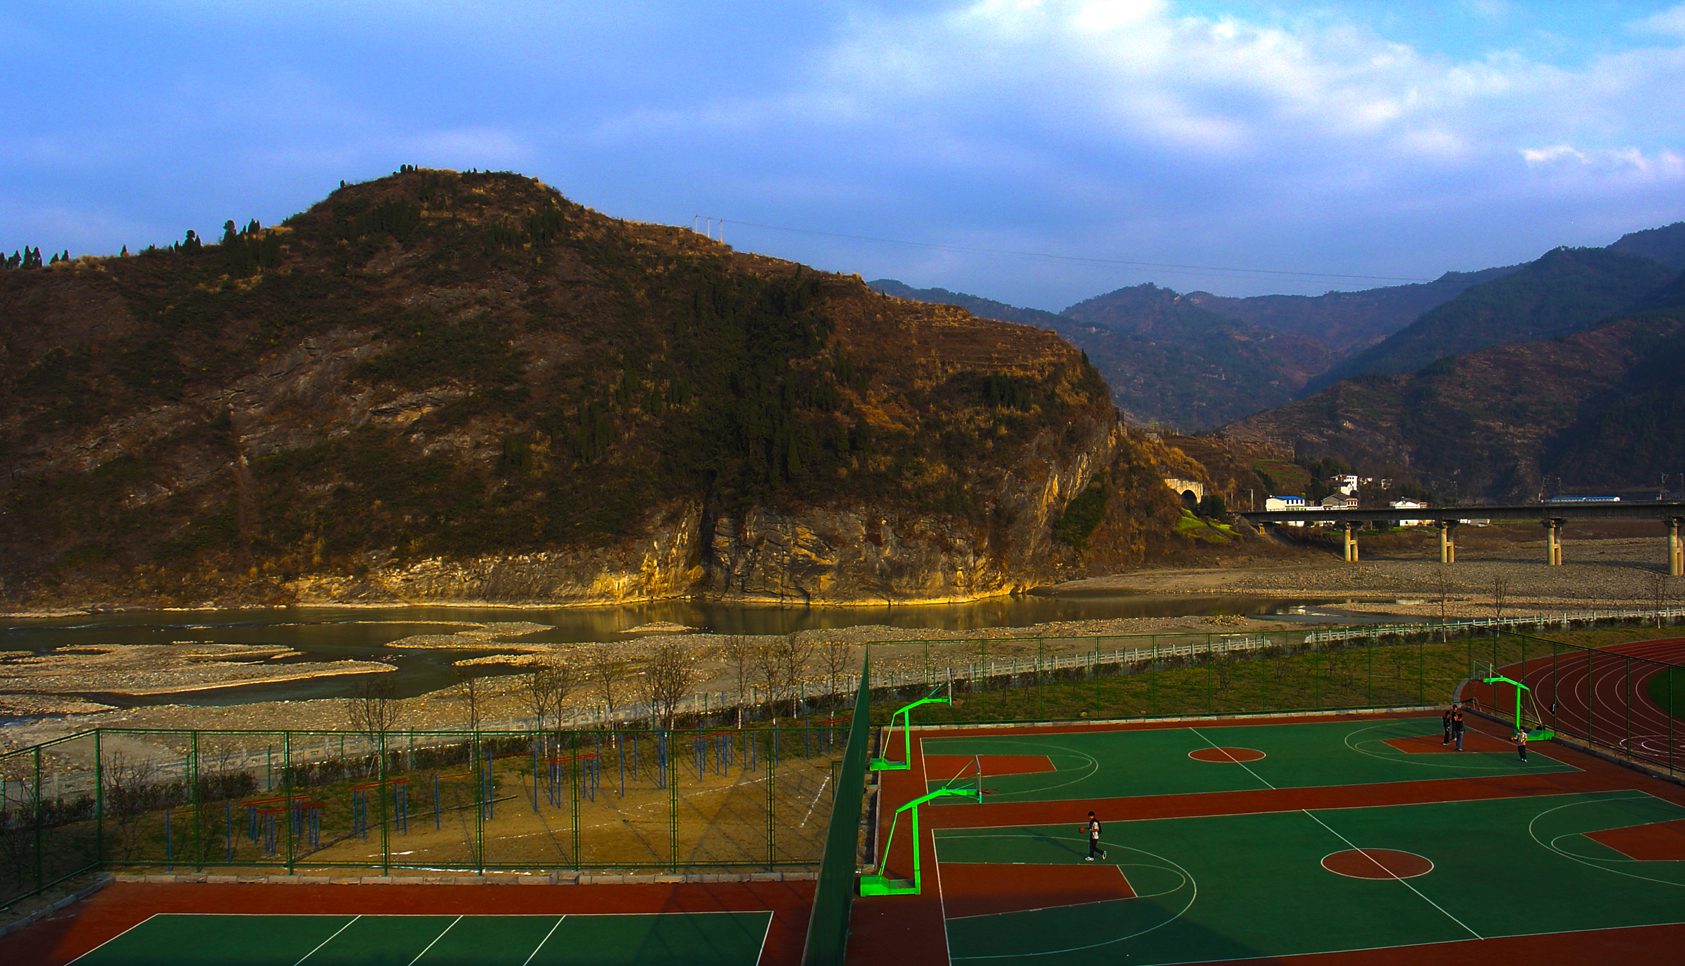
1237,886
708,938
1095,765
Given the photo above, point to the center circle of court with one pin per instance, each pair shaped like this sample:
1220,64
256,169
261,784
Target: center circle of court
1377,864
1229,755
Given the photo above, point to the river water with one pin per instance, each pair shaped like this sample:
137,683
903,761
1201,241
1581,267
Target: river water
335,633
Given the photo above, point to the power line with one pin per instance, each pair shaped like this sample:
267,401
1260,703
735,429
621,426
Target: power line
1240,272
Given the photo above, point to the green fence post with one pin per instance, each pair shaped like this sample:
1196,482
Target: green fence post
1628,706
99,802
194,801
1316,682
771,827
673,802
481,776
1421,670
1210,696
1371,690
287,795
385,836
573,776
39,844
1591,693
1152,677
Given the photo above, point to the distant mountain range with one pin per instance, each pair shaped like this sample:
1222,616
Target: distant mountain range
1197,361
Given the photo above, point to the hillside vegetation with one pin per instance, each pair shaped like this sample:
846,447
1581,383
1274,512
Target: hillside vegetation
445,385
1600,410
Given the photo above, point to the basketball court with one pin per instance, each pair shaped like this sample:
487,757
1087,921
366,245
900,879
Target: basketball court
1335,839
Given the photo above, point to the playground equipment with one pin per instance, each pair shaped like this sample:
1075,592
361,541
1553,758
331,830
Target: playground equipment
1538,733
885,764
879,884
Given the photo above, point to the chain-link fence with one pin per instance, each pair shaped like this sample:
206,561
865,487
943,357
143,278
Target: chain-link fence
661,800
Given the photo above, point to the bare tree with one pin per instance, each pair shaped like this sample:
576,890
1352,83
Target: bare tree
738,653
836,657
768,669
374,707
668,678
547,688
1658,594
794,653
1500,597
473,694
606,675
130,785
1443,584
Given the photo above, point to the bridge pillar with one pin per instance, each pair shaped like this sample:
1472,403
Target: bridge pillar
1447,541
1351,543
1553,541
1675,547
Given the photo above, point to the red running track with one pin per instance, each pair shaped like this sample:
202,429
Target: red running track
1601,696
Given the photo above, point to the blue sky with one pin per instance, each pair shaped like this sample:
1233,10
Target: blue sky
1227,143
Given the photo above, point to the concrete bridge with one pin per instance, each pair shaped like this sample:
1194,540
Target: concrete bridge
1551,516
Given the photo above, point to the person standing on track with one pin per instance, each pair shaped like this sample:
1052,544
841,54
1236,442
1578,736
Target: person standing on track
1092,827
1445,719
1520,739
1457,725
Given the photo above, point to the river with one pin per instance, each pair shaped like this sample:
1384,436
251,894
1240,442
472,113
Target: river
339,633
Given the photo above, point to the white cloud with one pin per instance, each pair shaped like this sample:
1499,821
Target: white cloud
1668,22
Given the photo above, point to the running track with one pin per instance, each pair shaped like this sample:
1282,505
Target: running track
1601,696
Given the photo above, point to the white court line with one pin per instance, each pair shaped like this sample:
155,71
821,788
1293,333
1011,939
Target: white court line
546,939
115,938
1242,764
1401,882
440,936
815,804
330,939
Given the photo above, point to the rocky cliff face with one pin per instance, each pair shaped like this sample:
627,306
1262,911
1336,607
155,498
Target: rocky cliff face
463,387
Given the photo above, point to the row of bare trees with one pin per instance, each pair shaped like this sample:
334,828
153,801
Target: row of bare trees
769,672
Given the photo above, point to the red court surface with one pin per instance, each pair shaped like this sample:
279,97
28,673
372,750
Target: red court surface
1646,843
1230,756
1377,864
941,766
78,928
974,889
913,930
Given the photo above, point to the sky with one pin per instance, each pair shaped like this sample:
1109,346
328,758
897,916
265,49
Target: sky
1038,152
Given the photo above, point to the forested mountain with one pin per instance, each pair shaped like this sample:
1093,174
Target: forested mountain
1665,245
1601,409
1347,322
1180,364
1168,361
444,385
1565,290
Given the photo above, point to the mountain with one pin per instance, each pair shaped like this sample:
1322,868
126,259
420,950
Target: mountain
1565,290
1603,409
463,386
1346,322
1167,360
1665,245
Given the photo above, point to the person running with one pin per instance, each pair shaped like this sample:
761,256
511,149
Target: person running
1457,726
1092,826
1520,739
